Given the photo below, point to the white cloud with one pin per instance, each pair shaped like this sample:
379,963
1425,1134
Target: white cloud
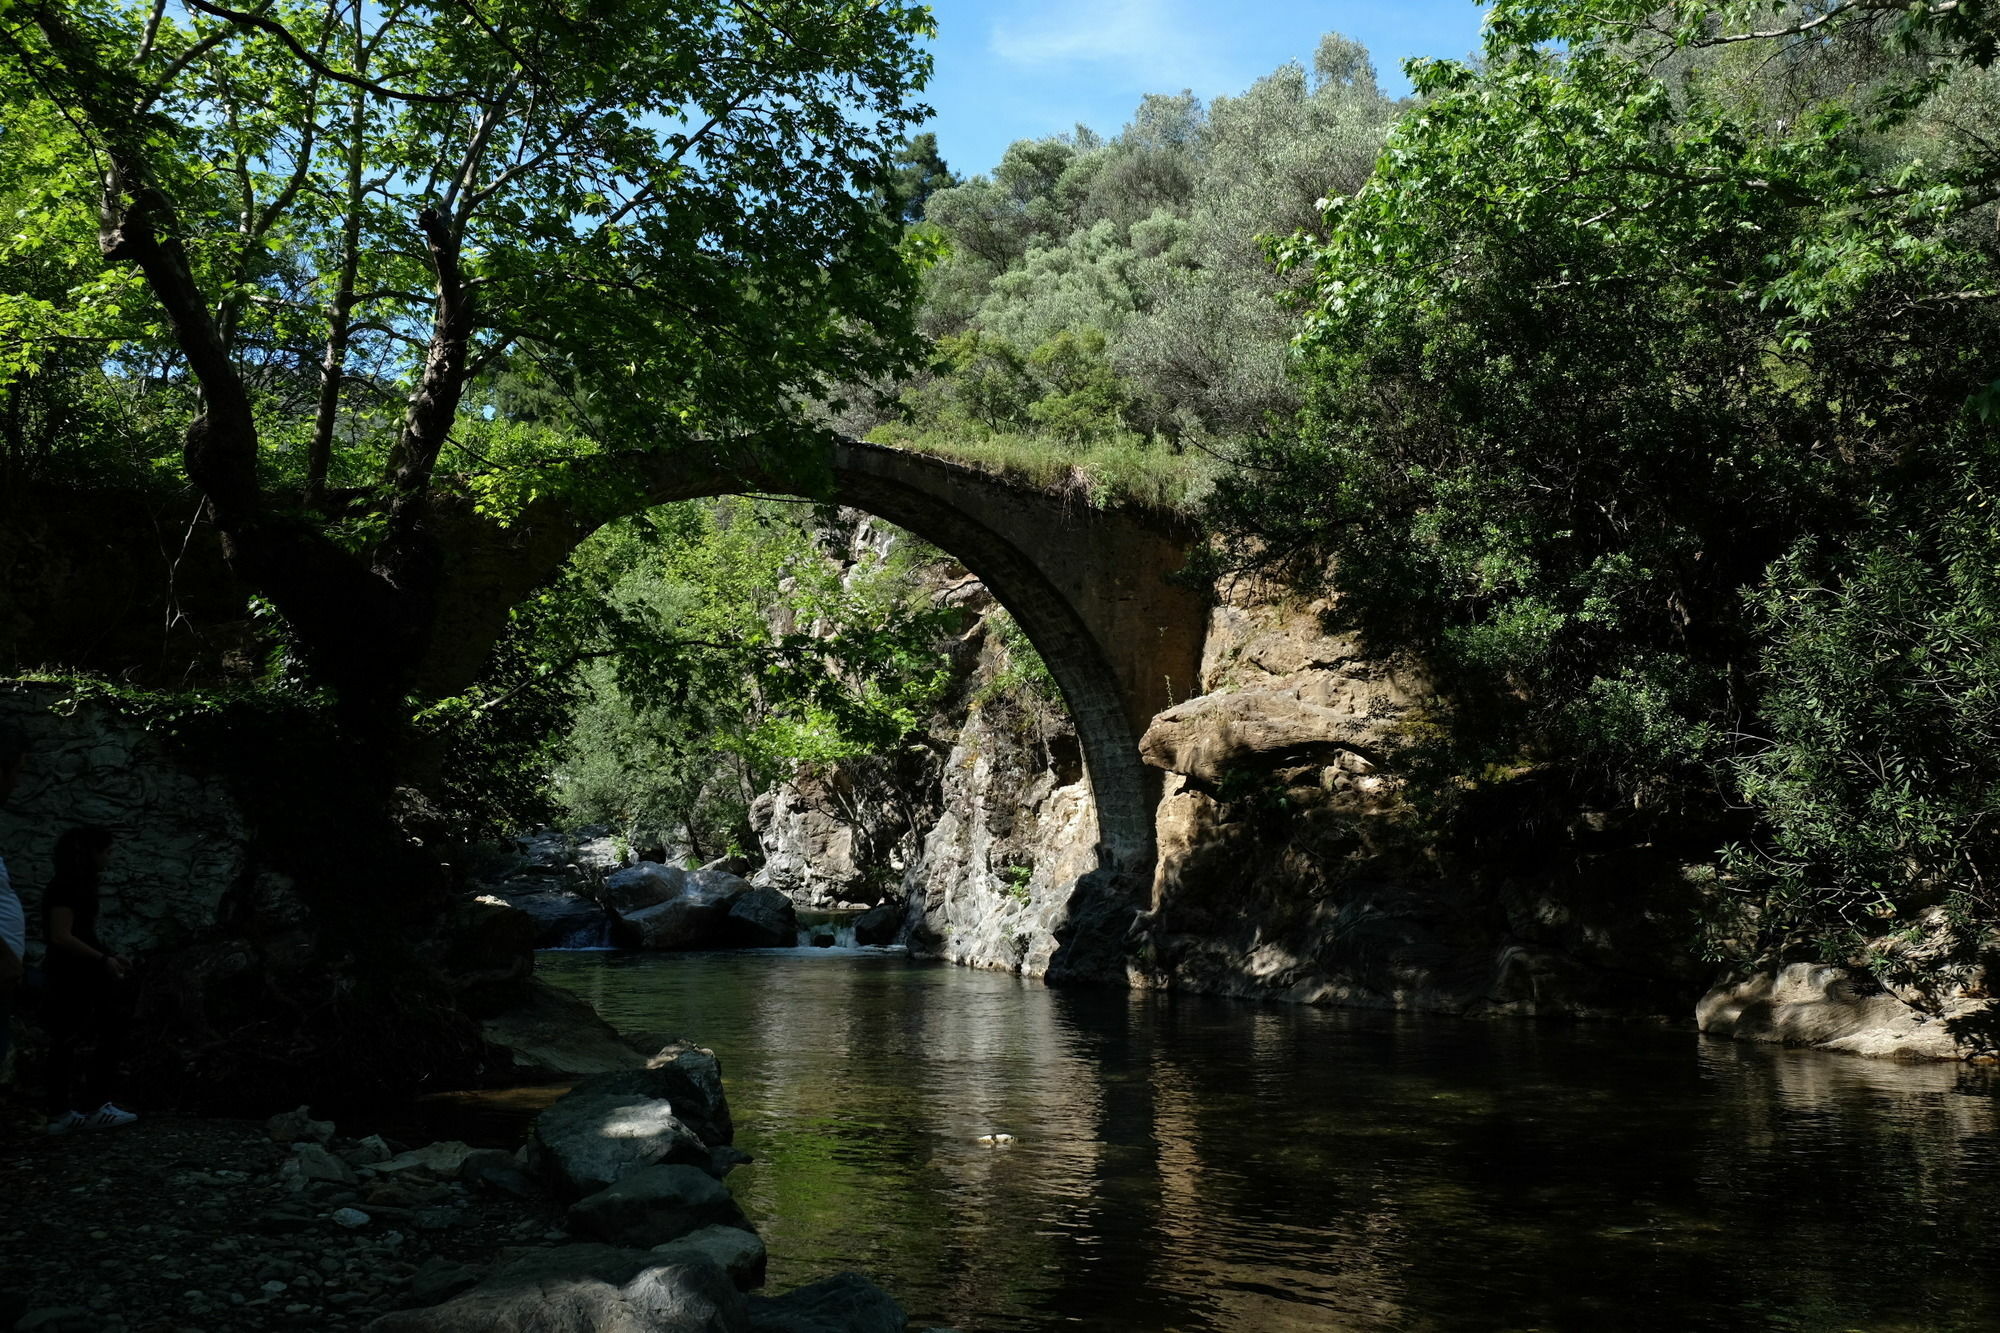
1144,37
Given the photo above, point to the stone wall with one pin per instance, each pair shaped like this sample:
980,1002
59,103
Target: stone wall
182,843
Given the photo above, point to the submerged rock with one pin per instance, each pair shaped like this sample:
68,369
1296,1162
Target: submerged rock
844,1303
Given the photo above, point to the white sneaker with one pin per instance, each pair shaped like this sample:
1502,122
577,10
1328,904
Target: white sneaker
106,1116
65,1122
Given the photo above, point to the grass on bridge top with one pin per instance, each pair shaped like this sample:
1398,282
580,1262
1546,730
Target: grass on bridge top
1123,468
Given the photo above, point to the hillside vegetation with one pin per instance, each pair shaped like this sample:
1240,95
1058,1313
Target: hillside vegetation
1104,318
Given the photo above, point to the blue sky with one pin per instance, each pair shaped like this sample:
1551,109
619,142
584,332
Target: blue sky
1020,69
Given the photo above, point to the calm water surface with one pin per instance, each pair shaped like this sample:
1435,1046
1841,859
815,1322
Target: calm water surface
1201,1166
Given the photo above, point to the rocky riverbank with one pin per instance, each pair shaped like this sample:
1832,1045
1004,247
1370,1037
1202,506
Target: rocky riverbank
612,1215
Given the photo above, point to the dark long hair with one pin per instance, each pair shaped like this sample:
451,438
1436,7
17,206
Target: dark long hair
76,854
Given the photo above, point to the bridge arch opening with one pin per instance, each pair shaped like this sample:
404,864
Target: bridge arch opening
1091,589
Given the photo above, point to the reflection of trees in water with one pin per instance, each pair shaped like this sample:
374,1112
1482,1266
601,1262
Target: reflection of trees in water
1196,1165
1878,1176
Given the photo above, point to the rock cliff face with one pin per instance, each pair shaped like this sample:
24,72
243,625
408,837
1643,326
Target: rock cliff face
1289,868
1289,865
1286,865
979,833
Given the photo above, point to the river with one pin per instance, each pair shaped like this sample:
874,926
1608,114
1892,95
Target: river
1192,1165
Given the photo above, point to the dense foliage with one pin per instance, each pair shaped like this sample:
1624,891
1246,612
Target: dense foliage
1651,405
691,657
352,256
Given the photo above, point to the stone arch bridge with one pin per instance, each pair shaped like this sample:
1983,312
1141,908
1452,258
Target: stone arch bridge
1092,589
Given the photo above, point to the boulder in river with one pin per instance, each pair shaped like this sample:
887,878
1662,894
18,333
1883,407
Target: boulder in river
589,1289
655,1205
844,1303
588,1141
683,923
878,924
644,885
686,1076
487,939
741,1253
761,919
561,916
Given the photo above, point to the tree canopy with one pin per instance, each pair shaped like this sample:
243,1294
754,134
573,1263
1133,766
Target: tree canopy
1103,310
1650,402
356,240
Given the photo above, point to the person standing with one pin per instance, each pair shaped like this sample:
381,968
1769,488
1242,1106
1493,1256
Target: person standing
88,1005
13,921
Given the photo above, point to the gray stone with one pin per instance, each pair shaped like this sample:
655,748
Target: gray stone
714,883
440,1279
589,1140
491,1168
367,1152
588,1289
680,924
561,915
351,1218
878,925
316,1163
656,1204
844,1303
741,1253
686,1076
298,1127
443,1158
546,1032
761,919
645,885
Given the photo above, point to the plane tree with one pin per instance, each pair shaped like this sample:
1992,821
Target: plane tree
414,265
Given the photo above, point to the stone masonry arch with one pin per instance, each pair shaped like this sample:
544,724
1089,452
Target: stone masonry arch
1093,589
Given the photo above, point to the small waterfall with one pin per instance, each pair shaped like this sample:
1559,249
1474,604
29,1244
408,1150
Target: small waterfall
817,927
